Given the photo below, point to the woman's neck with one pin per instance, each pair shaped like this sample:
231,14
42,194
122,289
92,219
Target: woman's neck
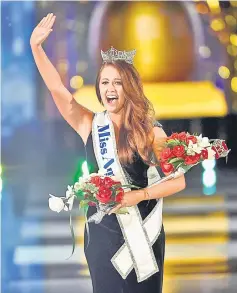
116,118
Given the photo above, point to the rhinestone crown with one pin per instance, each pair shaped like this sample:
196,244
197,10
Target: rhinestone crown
113,55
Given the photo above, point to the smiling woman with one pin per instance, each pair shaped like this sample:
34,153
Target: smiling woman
119,89
125,253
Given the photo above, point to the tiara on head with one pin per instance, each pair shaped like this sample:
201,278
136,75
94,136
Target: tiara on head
113,55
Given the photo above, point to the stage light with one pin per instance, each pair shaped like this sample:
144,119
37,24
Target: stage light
230,20
217,24
232,50
76,82
63,66
204,51
224,72
209,177
234,84
233,39
214,6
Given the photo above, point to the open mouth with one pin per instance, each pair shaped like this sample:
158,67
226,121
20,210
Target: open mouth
111,99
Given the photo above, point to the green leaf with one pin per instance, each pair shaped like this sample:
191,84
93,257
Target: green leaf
79,194
174,160
83,203
114,193
122,211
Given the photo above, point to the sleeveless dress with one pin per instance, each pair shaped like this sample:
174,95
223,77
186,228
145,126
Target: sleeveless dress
106,238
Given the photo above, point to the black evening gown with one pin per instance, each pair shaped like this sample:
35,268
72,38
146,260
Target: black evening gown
106,238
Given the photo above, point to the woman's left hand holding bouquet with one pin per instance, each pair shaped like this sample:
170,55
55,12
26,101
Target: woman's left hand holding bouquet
130,198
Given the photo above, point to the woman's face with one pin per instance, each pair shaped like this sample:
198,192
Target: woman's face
111,89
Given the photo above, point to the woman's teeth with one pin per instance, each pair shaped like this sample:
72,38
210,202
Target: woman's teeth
111,99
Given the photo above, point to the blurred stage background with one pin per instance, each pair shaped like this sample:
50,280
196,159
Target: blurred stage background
187,57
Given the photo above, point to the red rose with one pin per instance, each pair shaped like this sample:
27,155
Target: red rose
120,195
166,167
174,136
204,154
217,156
191,160
108,182
182,136
191,138
224,146
166,154
96,180
178,150
104,194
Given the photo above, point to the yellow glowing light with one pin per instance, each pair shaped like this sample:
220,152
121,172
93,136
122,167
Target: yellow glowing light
235,64
76,82
204,51
146,27
233,3
202,8
63,65
230,20
0,170
217,24
214,6
232,50
234,84
224,72
233,39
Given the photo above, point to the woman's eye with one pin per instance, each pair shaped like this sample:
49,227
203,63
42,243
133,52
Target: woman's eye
118,82
104,82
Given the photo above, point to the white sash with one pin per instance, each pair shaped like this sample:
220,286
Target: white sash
139,235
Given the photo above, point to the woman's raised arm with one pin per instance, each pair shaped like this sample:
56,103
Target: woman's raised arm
79,117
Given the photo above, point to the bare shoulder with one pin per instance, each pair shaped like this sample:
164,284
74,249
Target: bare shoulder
159,133
159,139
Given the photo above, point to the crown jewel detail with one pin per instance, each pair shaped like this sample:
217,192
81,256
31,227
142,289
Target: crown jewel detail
113,55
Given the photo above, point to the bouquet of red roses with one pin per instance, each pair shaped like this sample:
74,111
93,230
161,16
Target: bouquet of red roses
182,151
92,190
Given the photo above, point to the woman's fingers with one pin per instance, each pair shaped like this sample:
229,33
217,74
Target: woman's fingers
41,22
52,20
45,20
115,209
49,17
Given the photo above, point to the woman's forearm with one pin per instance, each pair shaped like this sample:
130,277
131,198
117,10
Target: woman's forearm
166,188
48,72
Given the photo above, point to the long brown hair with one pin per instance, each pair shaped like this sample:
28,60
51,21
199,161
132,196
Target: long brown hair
135,135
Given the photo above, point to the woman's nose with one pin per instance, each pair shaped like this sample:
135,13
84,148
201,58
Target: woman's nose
111,86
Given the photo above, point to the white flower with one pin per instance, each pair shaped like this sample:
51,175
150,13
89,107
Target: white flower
77,186
196,148
211,154
70,191
203,141
193,148
56,204
190,152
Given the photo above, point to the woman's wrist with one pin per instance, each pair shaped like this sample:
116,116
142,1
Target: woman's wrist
145,194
